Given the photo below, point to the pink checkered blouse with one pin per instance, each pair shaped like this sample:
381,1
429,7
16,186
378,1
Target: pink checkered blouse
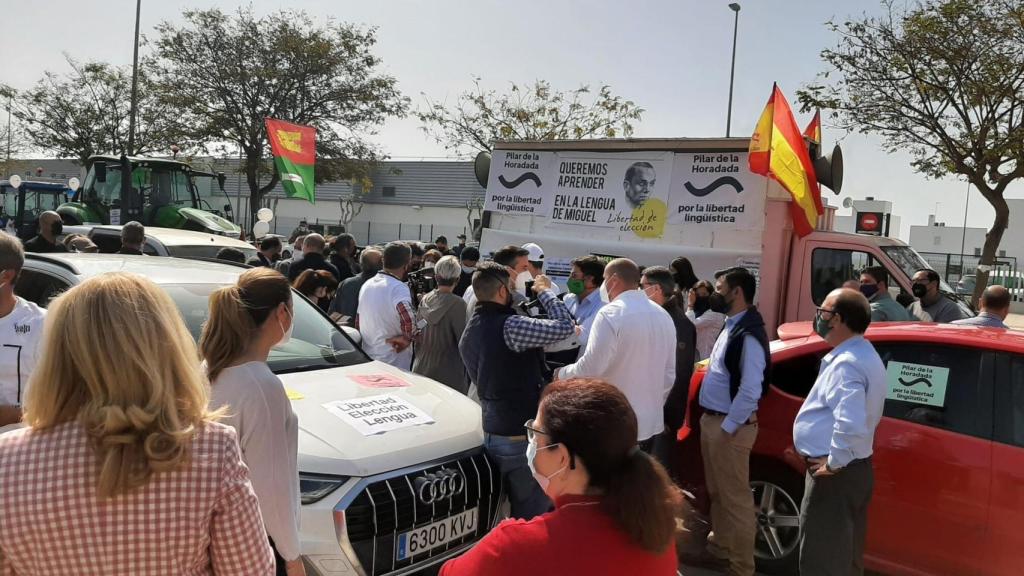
200,520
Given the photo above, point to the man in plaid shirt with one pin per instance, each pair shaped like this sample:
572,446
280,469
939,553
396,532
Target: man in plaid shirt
504,356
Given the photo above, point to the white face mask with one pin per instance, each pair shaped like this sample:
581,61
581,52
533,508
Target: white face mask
604,294
521,279
469,269
287,334
428,264
531,454
649,291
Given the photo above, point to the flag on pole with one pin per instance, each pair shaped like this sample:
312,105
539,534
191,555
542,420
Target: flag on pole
813,130
777,151
294,150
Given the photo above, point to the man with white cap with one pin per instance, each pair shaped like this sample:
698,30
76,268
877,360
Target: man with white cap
535,267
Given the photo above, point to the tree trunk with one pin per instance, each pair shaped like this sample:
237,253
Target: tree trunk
992,240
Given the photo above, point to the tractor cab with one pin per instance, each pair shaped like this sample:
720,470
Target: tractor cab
171,195
22,201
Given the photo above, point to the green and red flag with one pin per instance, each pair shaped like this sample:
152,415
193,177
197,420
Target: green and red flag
294,149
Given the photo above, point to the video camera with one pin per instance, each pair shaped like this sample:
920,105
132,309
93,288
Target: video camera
421,282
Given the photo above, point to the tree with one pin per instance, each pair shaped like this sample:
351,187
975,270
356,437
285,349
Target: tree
536,112
85,112
352,204
226,74
12,140
943,80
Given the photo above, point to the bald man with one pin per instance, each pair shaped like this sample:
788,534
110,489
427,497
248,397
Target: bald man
834,432
995,307
50,227
632,345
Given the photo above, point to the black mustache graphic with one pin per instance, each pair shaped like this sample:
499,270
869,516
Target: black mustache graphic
718,183
915,381
526,176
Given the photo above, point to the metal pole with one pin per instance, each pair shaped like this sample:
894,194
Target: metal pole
238,188
963,239
135,83
8,132
732,71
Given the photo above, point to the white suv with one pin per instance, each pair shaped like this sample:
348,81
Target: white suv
388,503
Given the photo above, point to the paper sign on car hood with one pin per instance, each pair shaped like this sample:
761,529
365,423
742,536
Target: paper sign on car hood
378,414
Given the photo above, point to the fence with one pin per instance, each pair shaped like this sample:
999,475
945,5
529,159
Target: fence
368,233
952,267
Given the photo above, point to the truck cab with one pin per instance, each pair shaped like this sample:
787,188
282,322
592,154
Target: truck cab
24,200
173,195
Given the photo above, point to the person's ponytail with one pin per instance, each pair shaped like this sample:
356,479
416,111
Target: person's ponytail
226,332
642,500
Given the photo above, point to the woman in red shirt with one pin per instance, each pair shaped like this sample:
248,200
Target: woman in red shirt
614,505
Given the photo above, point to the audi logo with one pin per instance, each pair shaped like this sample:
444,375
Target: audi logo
440,485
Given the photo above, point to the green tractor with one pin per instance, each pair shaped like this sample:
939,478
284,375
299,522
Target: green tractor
153,191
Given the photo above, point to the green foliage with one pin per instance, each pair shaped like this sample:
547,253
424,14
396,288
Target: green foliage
226,73
942,80
85,112
535,112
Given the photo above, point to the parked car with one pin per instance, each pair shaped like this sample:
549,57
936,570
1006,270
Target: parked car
949,468
164,241
390,503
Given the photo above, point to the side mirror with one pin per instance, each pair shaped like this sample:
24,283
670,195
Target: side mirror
221,178
101,171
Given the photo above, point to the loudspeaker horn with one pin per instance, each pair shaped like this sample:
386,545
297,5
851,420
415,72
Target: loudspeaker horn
482,167
829,169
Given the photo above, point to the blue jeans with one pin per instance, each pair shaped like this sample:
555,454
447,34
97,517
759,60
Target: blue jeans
525,496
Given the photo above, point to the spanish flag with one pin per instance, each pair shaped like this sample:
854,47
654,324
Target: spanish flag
777,151
813,130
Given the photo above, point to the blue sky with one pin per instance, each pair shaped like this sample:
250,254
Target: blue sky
670,57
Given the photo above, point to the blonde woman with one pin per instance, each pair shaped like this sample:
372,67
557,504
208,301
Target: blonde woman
246,321
122,469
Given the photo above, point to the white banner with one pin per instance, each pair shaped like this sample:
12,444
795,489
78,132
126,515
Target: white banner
625,191
517,183
376,414
716,191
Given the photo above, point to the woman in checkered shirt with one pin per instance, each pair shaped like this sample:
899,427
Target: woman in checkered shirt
122,468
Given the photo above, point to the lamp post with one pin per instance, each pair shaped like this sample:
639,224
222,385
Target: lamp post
135,83
735,7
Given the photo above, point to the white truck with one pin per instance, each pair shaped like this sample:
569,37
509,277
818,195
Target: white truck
652,200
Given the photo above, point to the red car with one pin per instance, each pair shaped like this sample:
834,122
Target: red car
949,451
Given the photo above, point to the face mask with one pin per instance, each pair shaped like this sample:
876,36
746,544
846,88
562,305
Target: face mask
275,257
650,291
869,290
287,333
717,303
56,228
521,279
575,286
701,305
821,326
428,264
604,294
920,290
468,269
531,453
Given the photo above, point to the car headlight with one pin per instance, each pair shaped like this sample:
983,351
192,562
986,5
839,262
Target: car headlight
314,487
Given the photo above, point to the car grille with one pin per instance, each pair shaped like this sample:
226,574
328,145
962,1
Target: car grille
387,508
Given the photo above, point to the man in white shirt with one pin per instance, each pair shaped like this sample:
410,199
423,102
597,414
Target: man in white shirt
632,345
385,317
21,329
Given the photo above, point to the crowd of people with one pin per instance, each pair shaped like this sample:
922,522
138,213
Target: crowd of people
582,392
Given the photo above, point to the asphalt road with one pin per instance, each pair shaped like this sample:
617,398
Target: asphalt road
1015,321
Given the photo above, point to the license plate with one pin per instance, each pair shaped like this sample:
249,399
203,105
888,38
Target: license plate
435,534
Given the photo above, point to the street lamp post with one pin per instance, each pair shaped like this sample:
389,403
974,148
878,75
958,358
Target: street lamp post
735,7
135,83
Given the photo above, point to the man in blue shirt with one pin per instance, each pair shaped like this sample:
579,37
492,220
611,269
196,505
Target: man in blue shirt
729,395
584,299
995,307
834,432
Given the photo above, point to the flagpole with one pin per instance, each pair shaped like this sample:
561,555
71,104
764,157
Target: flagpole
735,7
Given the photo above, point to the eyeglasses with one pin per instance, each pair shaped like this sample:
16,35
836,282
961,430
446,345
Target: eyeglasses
819,311
531,431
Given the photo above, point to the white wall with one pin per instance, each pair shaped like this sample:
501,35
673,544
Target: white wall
946,239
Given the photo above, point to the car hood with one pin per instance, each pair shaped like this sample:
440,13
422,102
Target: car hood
210,221
329,445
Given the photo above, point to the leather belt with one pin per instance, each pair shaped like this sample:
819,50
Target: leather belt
751,420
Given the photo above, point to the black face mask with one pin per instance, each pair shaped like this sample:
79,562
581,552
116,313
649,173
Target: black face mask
56,228
717,303
701,305
920,290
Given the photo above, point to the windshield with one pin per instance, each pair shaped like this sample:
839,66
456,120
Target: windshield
207,251
211,196
36,202
161,185
315,343
910,262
